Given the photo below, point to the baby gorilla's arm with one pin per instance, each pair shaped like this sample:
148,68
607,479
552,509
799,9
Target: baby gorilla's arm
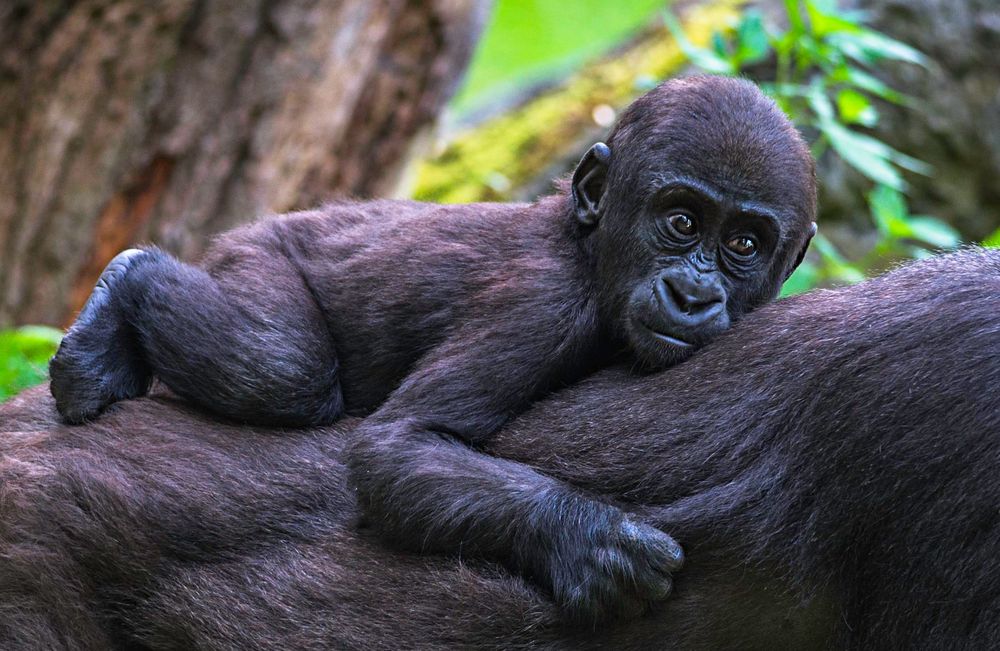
423,487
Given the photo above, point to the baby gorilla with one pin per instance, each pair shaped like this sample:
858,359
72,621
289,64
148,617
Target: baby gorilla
448,320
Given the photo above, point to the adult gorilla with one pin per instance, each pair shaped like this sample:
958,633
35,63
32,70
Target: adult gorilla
831,467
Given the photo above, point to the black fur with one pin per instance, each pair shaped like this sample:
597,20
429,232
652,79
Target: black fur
471,312
831,466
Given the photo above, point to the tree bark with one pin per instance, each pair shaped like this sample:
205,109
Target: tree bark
123,121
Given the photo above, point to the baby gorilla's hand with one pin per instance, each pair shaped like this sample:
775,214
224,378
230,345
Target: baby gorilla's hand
604,565
97,362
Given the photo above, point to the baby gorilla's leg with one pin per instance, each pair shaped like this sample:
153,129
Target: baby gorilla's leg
99,360
244,340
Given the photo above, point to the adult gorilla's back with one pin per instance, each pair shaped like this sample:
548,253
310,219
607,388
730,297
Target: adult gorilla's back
832,466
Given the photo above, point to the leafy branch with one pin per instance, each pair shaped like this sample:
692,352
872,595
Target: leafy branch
819,69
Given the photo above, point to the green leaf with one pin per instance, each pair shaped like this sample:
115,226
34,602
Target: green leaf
836,266
871,157
935,232
854,108
904,161
806,277
795,23
869,46
782,42
824,19
993,240
785,90
820,103
866,82
709,62
811,53
893,219
888,207
704,59
719,46
751,38
861,153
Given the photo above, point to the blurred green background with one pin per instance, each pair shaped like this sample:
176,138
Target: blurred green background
535,41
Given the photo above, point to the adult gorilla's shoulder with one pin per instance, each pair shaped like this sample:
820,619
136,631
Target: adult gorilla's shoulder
157,527
830,466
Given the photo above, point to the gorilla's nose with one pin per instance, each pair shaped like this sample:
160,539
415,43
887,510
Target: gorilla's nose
690,299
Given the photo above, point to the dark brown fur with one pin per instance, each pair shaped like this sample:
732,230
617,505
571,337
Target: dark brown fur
452,319
831,466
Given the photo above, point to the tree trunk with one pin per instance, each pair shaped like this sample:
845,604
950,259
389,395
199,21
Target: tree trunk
124,121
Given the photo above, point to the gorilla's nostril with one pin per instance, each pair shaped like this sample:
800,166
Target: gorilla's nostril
682,300
689,303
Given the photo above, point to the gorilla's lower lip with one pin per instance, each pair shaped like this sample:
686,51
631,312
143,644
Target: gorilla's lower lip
673,341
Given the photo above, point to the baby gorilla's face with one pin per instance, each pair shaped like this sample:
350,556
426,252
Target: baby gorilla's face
691,262
705,197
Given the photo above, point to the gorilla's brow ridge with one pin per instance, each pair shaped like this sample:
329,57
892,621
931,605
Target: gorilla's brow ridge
663,185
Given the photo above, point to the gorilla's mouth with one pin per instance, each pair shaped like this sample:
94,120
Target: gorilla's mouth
666,338
674,341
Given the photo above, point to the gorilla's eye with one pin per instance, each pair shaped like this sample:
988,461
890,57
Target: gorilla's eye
742,245
683,224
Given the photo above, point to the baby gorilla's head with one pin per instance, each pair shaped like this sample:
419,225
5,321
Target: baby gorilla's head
701,205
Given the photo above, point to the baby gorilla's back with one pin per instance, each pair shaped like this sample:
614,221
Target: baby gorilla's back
294,319
395,279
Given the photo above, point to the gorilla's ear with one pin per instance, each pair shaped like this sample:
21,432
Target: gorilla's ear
588,184
802,252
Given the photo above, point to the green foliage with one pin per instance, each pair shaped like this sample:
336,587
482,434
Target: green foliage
24,355
818,69
900,230
993,240
527,41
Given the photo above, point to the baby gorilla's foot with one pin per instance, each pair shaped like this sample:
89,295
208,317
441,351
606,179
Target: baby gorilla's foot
622,567
99,361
